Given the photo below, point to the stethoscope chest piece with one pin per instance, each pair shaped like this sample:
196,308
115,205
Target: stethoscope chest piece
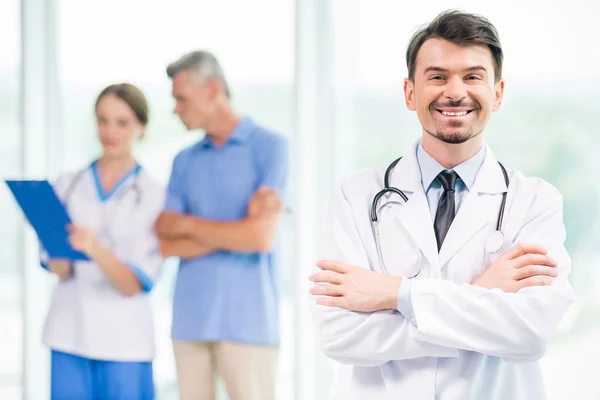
494,242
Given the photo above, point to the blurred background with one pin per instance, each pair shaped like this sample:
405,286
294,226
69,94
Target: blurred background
326,73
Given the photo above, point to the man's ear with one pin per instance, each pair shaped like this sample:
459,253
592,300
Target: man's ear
498,95
409,94
214,88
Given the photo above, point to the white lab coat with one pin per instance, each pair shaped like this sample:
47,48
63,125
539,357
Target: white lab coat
88,316
464,342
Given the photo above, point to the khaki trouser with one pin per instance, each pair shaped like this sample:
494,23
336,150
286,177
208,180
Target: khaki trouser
248,371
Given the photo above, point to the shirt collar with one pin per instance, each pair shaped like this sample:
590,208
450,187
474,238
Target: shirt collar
430,168
241,133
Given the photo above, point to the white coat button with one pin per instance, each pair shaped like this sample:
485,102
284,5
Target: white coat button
413,320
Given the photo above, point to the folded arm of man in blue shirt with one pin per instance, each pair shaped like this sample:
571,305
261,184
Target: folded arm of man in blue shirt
188,236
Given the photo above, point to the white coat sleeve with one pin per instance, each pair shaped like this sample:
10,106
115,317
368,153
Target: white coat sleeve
513,326
145,258
362,339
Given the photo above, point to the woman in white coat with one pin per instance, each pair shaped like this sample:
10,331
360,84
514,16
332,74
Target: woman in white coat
99,327
450,284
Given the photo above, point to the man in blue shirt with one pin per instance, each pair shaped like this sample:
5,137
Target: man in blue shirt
221,217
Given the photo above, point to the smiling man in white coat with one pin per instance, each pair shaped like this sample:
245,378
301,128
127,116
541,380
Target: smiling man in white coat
449,284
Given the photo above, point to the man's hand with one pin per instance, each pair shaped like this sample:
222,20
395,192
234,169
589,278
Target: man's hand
170,224
354,288
184,248
524,265
264,203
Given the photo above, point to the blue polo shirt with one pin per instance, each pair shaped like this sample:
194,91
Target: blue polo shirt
226,295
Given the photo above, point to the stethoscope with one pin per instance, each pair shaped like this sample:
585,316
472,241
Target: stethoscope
106,222
493,242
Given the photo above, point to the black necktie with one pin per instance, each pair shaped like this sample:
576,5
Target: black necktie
446,209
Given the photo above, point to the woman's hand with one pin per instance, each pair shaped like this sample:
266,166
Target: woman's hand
62,268
83,239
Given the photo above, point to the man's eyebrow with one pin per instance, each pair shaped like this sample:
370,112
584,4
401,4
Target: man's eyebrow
470,69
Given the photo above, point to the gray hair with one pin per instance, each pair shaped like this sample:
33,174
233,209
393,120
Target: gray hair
203,63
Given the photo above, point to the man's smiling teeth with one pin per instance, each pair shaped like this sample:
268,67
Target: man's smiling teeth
455,114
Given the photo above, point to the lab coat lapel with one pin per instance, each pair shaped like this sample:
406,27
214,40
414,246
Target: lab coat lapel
416,218
415,215
477,209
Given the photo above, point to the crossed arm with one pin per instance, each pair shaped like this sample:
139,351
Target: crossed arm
509,312
188,236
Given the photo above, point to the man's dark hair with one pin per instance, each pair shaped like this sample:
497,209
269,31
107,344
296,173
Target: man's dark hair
462,29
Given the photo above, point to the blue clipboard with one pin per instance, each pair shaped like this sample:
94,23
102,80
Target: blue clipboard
48,217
